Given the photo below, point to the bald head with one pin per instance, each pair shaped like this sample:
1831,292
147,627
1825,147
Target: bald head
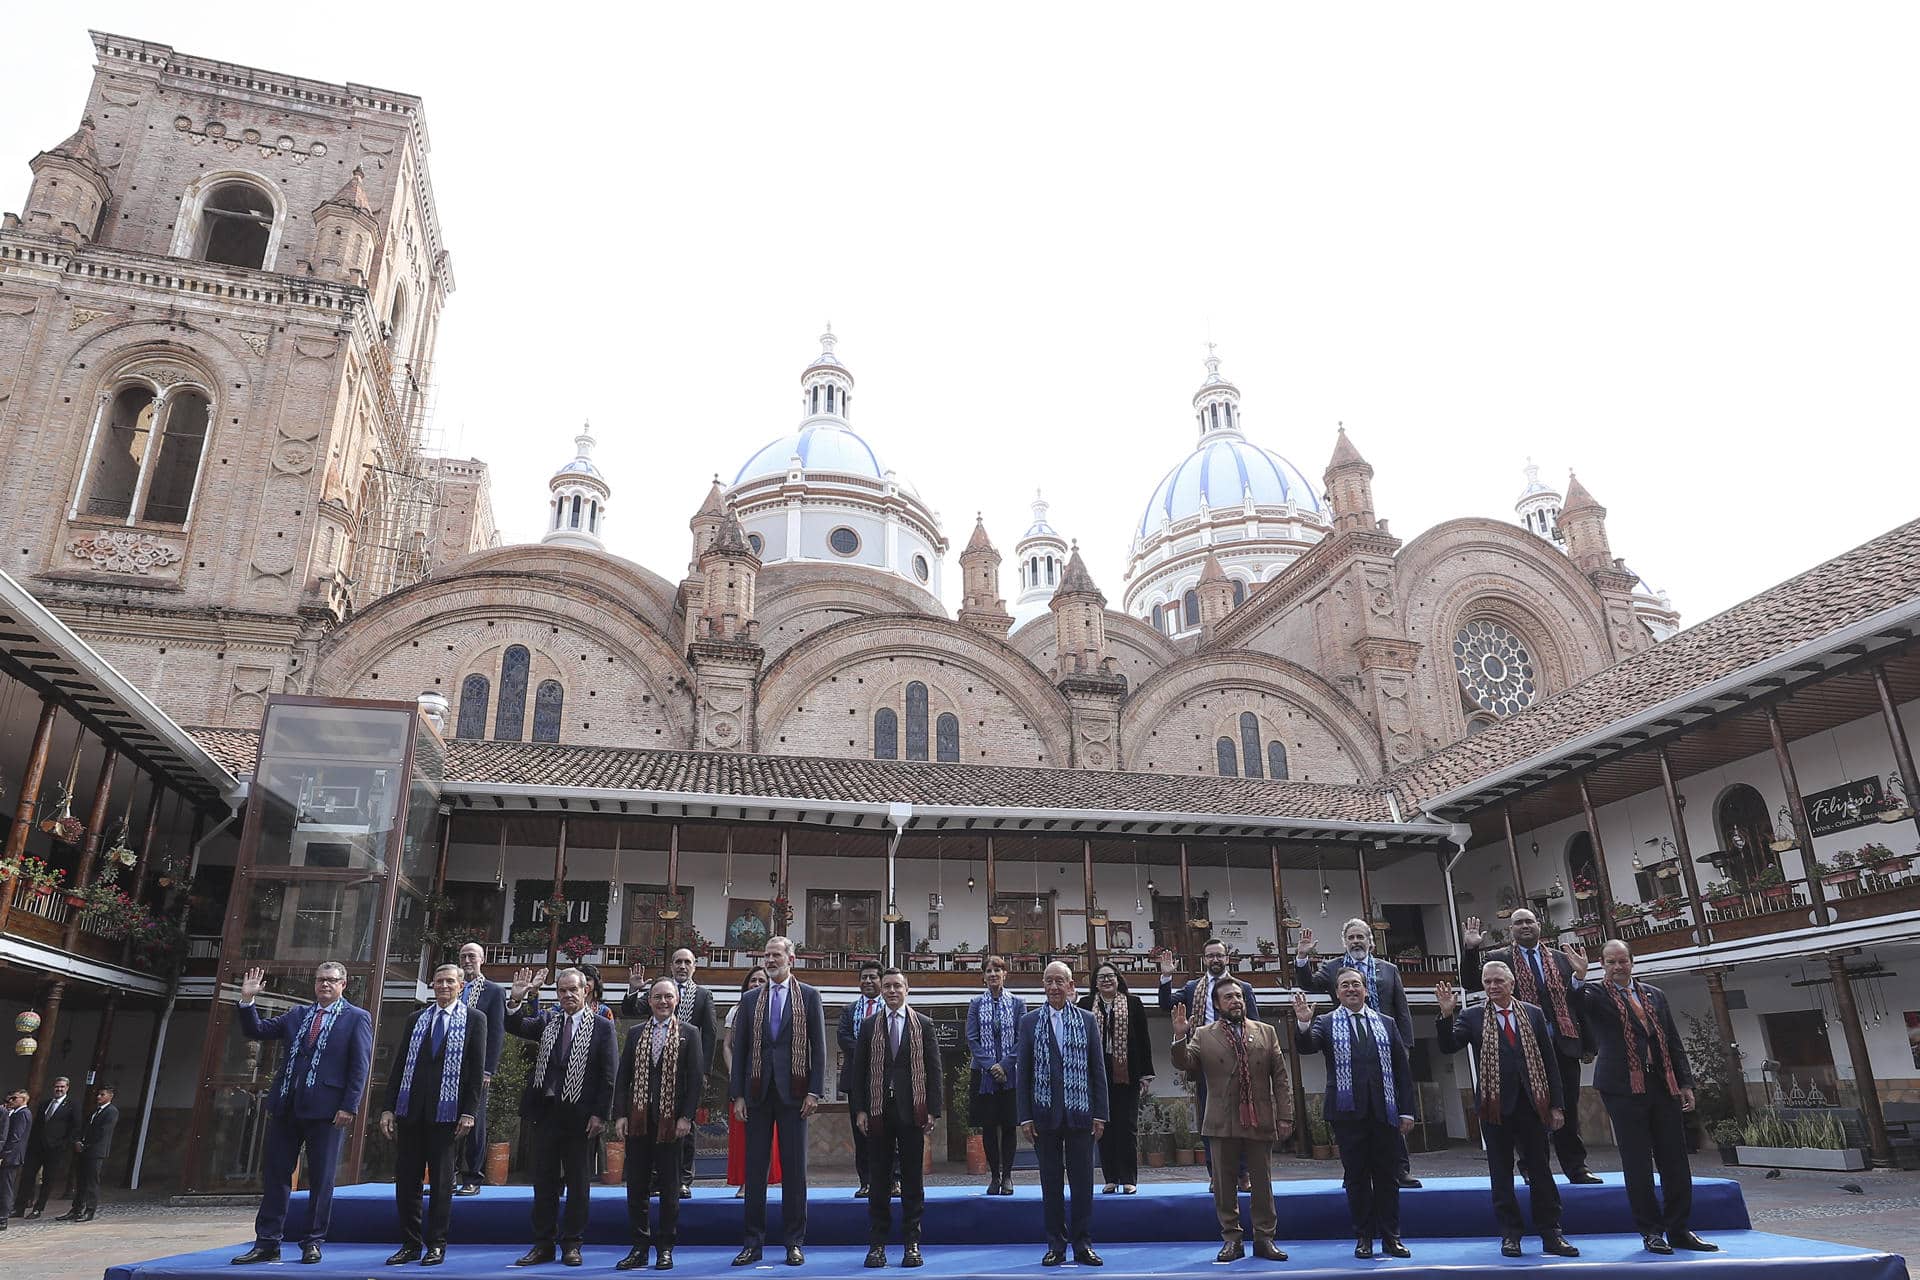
1058,980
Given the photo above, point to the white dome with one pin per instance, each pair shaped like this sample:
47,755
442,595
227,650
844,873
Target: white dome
820,446
1220,474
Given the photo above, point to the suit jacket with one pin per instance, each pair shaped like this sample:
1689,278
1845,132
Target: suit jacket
1610,1068
704,1019
96,1135
1463,1030
1035,1024
14,1138
490,1001
849,1035
638,1057
1210,1051
340,1078
55,1132
776,1060
1392,991
896,1070
1471,958
596,1091
424,1096
1369,1092
1169,997
1139,1043
980,1037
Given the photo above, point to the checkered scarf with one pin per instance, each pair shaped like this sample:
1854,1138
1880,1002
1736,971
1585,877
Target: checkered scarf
1527,989
877,1068
1073,1063
762,1043
574,1083
667,1049
1636,1068
1492,1045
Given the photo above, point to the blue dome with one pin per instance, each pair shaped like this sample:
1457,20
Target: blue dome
581,466
821,446
1221,472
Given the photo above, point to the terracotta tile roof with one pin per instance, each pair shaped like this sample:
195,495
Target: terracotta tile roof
868,781
1851,587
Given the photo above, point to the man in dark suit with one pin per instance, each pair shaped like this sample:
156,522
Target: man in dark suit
1367,1101
1386,995
1062,1103
489,999
568,1097
432,1093
16,1124
1520,1100
1202,1011
779,1070
1543,977
48,1150
853,1020
1641,1074
314,1097
90,1151
655,1093
693,1005
894,1094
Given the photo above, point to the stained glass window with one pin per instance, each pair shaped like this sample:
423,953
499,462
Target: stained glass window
1223,752
473,707
1192,603
946,738
1239,593
510,720
1277,761
1495,670
547,702
844,540
886,734
1250,742
916,721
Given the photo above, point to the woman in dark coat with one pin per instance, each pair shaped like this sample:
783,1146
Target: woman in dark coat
1123,1031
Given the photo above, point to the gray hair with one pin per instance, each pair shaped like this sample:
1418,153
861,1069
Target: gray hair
442,968
1492,965
783,942
584,984
1357,921
334,965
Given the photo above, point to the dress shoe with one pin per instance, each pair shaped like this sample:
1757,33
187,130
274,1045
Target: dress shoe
636,1258
1109,1189
862,1192
1652,1242
1509,1246
1086,1257
1363,1248
993,1187
435,1255
1269,1250
570,1255
309,1253
1687,1240
1006,1186
539,1254
686,1190
71,1215
748,1255
876,1257
1407,1180
261,1252
467,1189
1585,1178
1391,1246
1230,1252
912,1258
1052,1258
1557,1245
405,1253
30,1213
665,1260
86,1214
795,1256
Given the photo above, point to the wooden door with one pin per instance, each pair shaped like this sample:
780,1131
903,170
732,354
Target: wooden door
646,935
1170,928
1028,932
843,920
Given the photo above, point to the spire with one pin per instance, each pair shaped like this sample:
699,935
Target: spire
826,385
353,193
1578,499
1345,455
1040,528
1538,505
716,501
1215,590
1075,580
1583,528
1211,570
980,602
1216,405
1349,479
79,146
732,538
979,541
577,501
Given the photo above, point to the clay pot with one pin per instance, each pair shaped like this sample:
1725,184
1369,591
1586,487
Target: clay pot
976,1154
615,1171
499,1155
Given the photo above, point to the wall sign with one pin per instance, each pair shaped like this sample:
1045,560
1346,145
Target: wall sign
1845,807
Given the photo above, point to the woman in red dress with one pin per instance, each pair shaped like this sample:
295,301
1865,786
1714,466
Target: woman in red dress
737,1133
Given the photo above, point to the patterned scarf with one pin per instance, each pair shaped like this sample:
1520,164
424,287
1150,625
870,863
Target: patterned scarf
1343,1057
1073,1063
471,995
688,990
1527,989
1114,1018
877,1064
1243,1074
669,1053
1367,968
1492,1044
332,1015
796,1013
1001,1020
574,1083
1636,1067
446,1109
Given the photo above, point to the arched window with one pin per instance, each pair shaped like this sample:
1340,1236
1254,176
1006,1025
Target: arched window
916,721
1223,753
559,509
593,516
146,457
1159,619
1049,570
176,464
397,316
1277,761
547,702
236,222
1250,742
1191,602
1239,593
573,516
946,738
886,734
473,707
510,719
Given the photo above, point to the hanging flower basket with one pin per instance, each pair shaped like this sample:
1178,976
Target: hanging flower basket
1896,813
998,917
1781,846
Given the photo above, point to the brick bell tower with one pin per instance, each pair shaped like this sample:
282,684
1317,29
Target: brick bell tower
218,308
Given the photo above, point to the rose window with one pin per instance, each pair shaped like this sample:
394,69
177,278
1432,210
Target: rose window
1494,667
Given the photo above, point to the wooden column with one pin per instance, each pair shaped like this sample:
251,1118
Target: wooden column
1683,850
90,843
1282,1021
102,1039
1862,1063
1366,889
559,887
1723,1018
1603,880
150,830
1802,828
1902,751
1186,902
680,923
1086,872
781,888
993,897
49,1028
28,794
1513,857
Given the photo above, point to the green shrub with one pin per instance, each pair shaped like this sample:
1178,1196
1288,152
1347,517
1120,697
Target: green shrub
1768,1128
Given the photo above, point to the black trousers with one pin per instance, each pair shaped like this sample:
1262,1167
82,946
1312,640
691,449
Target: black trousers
863,1157
86,1182
898,1143
648,1161
994,1115
764,1118
471,1159
1370,1162
1566,1139
1066,1158
9,1184
1524,1139
1650,1130
43,1171
1119,1146
423,1145
562,1159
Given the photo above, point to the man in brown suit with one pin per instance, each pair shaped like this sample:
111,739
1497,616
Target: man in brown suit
1249,1108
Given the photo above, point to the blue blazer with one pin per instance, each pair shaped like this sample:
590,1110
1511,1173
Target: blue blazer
1392,991
980,1038
1030,1026
492,1004
340,1079
13,1140
1318,1038
778,1064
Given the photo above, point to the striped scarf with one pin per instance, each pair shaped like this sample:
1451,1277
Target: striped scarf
1492,1044
447,1109
575,1080
1636,1068
877,1066
331,1014
1343,1033
1078,1103
1243,1073
1114,1018
796,1014
1527,989
645,1048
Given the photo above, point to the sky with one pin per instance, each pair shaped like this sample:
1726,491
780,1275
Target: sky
1670,247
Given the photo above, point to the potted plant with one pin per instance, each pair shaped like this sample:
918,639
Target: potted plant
670,907
1583,888
1153,1131
1666,907
1726,1136
1322,1139
1721,895
1265,946
1772,884
503,1105
578,947
60,822
1894,806
35,877
1180,1115
1845,868
530,941
1769,1137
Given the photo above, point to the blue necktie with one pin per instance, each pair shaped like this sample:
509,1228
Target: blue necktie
779,1013
439,1030
1539,977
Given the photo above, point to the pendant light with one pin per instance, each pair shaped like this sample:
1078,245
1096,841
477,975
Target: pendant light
613,890
500,871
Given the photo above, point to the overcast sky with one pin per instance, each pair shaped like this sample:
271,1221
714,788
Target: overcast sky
1674,247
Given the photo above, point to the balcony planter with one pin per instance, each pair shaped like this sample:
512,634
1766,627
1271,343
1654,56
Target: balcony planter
1775,893
1801,1158
1899,813
1835,879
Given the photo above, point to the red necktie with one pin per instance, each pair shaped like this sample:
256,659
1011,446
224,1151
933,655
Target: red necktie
1639,1010
313,1028
1506,1025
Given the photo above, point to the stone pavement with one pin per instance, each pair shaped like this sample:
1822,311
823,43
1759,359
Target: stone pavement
136,1225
